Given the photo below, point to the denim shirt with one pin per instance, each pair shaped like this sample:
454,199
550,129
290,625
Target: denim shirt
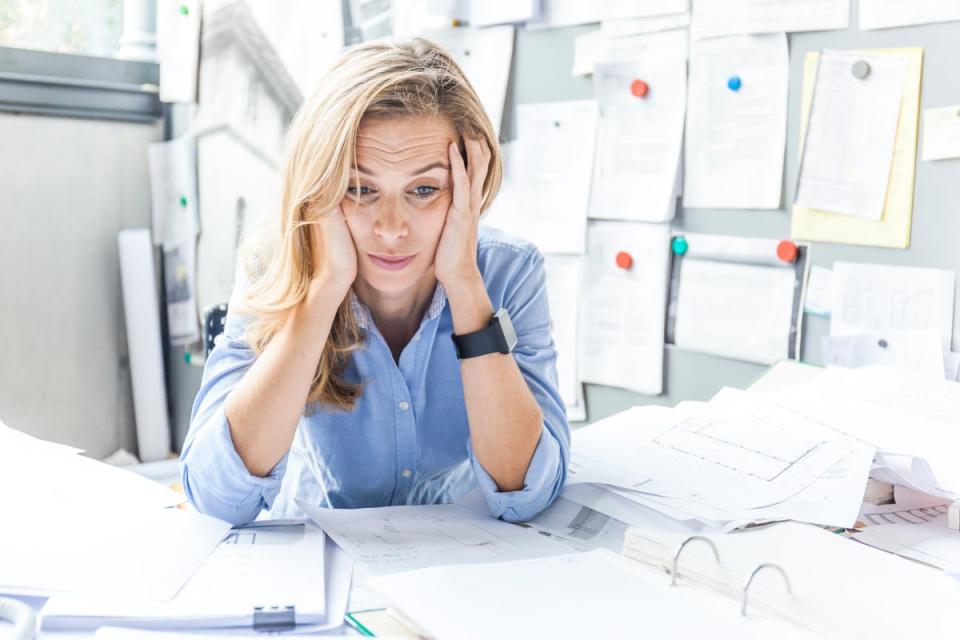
407,439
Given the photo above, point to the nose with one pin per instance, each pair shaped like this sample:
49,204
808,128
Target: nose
390,223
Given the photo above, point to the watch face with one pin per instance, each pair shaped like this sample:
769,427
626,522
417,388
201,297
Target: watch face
506,326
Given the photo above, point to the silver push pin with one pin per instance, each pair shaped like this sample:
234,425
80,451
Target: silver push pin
861,69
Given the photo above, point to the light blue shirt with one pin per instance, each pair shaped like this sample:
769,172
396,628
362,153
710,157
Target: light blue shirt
407,439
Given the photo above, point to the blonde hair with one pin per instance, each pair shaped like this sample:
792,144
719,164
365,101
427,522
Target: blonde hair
385,78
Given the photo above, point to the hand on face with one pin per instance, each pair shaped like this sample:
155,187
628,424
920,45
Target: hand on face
456,257
334,255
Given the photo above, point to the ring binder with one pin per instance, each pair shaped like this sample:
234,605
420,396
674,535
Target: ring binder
676,555
761,567
275,618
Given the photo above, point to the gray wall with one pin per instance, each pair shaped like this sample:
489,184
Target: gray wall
541,73
68,185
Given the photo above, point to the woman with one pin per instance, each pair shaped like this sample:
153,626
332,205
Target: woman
362,363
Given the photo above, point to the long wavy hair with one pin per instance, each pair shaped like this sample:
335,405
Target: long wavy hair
384,78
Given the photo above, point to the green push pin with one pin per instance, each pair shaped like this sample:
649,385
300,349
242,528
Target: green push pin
184,11
186,357
679,245
183,201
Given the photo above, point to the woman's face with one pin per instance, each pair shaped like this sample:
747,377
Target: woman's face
398,198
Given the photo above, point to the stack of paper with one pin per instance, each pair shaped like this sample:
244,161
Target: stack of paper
80,526
266,564
724,464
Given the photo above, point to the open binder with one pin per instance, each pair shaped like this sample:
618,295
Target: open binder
808,577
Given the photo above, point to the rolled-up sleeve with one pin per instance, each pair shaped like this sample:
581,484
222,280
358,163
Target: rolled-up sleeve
525,299
215,479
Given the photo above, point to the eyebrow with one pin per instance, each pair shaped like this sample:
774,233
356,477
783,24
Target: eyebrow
429,167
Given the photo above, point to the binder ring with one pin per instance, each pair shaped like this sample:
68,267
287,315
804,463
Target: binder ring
676,556
761,567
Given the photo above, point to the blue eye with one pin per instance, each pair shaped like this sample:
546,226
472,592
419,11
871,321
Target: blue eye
363,191
424,191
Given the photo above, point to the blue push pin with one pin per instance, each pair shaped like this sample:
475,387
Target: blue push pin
734,83
679,245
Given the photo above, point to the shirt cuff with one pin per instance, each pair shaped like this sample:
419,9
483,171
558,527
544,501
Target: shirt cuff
542,484
217,481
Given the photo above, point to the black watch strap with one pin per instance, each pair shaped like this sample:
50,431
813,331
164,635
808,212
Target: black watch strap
498,337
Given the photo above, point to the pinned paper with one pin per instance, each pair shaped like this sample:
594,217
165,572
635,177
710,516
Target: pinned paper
941,133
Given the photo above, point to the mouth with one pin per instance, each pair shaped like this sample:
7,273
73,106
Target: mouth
391,262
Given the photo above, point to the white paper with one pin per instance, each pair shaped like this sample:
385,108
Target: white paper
484,55
262,565
848,148
621,27
390,539
173,187
178,49
555,143
564,279
728,455
586,48
735,139
566,13
639,139
625,9
490,12
931,542
596,594
878,299
941,132
713,18
735,310
623,309
579,527
951,365
819,294
917,351
882,14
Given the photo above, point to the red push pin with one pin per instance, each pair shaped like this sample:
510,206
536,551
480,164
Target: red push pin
624,260
639,88
787,251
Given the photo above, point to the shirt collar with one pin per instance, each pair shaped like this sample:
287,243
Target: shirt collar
365,318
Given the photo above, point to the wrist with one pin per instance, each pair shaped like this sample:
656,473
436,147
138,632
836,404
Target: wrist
470,306
325,294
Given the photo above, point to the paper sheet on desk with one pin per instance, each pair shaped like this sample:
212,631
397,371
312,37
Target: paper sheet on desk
389,539
639,139
735,139
712,18
931,542
893,230
877,299
623,308
737,455
883,14
848,146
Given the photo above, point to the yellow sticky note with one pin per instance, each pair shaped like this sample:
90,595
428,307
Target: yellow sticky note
893,228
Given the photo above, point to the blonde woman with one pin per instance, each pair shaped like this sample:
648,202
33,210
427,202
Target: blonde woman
381,348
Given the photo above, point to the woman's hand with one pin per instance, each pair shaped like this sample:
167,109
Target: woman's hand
333,253
456,258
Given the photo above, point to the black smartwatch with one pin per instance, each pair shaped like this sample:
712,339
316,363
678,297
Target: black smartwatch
499,337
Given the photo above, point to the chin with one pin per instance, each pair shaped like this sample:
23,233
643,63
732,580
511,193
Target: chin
396,281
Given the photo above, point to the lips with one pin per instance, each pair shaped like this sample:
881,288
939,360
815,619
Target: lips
391,262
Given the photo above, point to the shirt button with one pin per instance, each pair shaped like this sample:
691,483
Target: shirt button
404,405
407,473
416,337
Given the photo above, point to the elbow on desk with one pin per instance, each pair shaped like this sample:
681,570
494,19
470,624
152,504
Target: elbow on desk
209,503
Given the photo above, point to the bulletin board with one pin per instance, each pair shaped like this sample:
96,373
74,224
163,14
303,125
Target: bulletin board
541,72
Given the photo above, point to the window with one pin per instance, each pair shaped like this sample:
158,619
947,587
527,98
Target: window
86,27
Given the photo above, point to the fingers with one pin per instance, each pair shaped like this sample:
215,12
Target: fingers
478,158
461,181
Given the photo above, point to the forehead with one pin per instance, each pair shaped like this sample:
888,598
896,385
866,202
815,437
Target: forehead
406,139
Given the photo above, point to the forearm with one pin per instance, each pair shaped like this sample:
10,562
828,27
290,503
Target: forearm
264,408
505,420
